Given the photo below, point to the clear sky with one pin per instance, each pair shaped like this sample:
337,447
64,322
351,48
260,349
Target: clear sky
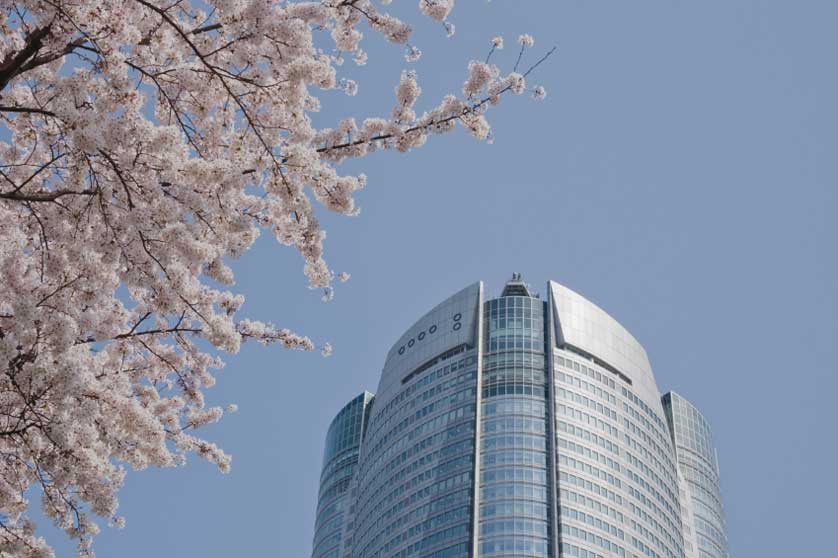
681,174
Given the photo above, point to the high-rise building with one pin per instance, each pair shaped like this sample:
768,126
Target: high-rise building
516,427
698,462
340,457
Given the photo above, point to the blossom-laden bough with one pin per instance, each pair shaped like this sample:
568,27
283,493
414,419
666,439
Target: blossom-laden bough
143,143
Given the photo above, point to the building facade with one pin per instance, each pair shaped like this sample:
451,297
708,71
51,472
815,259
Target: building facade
512,427
340,457
698,463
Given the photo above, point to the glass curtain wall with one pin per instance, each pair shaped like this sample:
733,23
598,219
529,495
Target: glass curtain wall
513,515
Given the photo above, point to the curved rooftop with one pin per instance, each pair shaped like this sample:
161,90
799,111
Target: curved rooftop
450,325
579,325
582,325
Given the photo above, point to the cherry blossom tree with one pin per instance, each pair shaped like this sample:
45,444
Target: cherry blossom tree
144,144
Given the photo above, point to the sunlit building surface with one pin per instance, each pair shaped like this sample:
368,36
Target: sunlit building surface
514,427
698,463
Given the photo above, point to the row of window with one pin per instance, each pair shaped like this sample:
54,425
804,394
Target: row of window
452,432
628,394
523,547
593,521
571,380
646,455
589,469
591,486
649,504
568,549
421,512
588,436
440,487
366,510
514,389
345,430
646,470
466,378
591,538
525,441
462,447
589,453
521,375
460,515
517,359
662,435
458,550
520,474
508,342
514,508
526,458
527,407
445,535
514,423
643,483
527,527
657,450
658,528
589,372
391,410
650,536
508,491
566,495
605,410
438,422
588,419
435,406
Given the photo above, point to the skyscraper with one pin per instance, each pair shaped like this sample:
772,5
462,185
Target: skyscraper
698,462
513,427
340,456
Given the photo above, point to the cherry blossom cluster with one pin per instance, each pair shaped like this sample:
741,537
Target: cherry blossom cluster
144,144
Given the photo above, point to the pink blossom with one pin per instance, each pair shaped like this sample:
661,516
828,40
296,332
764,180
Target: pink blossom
133,176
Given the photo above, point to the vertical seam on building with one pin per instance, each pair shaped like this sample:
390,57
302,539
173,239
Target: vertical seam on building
551,428
478,403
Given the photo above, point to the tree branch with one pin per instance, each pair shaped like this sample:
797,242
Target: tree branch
14,63
44,196
27,109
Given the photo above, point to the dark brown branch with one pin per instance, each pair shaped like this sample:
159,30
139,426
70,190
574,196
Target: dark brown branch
540,60
221,77
141,333
19,187
141,320
27,109
206,29
466,111
13,64
115,168
47,196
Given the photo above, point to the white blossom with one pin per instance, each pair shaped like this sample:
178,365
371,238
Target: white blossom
412,53
539,92
480,75
436,9
144,147
349,86
526,40
497,42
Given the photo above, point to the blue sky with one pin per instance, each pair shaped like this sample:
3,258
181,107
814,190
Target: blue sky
681,174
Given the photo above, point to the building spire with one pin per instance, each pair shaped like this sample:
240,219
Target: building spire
516,287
